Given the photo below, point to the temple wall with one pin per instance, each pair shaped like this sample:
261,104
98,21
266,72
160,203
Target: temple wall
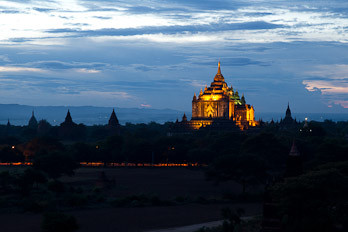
231,110
194,109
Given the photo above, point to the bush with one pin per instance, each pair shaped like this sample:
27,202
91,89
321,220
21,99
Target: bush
58,222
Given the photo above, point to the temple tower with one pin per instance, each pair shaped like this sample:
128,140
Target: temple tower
32,121
219,101
68,121
113,125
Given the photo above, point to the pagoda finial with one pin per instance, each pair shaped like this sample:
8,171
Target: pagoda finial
288,111
184,118
243,100
219,70
113,121
68,117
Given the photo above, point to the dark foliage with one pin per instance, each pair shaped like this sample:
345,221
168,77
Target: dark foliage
58,222
246,169
315,201
55,164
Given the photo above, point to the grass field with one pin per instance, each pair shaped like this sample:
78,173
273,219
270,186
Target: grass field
166,184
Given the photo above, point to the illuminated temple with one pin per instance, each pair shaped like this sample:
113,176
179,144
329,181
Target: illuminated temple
219,105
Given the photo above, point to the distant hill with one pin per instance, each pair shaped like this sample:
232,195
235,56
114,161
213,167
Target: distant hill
93,115
320,117
88,115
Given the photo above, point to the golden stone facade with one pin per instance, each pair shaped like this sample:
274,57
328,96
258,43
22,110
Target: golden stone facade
220,102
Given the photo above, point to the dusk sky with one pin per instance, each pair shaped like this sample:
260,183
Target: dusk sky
157,54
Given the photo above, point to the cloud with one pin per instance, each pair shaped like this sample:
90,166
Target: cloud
84,70
92,67
195,83
42,9
143,68
327,87
5,58
145,105
147,49
342,103
101,17
332,71
232,61
214,27
19,69
108,94
329,79
180,22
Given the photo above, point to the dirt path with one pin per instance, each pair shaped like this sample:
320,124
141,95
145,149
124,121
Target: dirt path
189,228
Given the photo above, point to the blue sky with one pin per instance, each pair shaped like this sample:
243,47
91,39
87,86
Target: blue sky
156,54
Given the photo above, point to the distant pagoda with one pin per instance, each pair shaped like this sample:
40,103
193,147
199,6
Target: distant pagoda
32,121
294,162
68,121
113,125
288,120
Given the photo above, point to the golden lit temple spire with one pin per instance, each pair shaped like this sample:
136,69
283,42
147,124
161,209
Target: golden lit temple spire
219,77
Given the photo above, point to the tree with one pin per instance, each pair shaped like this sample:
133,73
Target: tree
41,145
35,176
231,219
11,154
316,201
6,180
55,164
58,222
201,156
245,169
268,147
84,152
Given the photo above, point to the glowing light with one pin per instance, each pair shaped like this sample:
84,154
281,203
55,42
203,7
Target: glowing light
100,164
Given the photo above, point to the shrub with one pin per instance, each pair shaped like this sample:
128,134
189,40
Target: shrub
58,222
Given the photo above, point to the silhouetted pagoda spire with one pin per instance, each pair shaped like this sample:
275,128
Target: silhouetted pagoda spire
288,112
113,121
294,162
113,126
184,118
32,121
8,123
68,120
288,120
242,100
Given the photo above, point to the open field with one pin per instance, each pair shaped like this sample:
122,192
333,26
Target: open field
165,183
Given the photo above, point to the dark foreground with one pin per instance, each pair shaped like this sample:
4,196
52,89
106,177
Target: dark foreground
165,183
129,219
